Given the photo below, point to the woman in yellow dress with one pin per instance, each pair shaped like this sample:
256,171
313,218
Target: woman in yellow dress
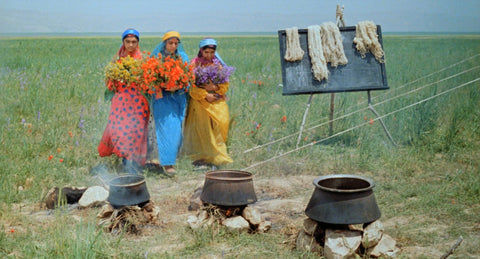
207,121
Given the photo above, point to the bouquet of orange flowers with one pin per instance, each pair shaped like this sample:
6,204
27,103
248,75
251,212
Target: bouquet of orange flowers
170,74
121,71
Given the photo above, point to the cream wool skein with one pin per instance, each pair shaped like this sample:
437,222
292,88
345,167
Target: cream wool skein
294,51
366,39
332,44
315,50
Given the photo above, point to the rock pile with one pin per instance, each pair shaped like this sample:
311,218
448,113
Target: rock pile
235,218
346,241
241,218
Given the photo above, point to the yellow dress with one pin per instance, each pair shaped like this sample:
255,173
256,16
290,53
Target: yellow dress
206,127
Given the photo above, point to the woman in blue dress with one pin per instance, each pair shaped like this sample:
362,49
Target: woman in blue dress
169,109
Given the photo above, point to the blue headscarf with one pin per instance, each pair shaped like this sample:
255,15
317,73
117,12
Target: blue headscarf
208,42
132,32
160,48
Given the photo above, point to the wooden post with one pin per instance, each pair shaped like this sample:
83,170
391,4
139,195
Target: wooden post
332,109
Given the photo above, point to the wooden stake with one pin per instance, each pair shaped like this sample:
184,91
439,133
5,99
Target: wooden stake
452,249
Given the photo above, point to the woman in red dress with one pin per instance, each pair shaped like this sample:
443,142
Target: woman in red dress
126,132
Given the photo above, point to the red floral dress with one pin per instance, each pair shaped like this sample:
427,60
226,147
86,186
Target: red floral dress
126,132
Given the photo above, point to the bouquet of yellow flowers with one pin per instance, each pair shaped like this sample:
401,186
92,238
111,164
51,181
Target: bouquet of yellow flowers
123,70
170,74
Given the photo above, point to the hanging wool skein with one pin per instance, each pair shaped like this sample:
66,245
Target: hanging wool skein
332,44
366,40
315,50
294,52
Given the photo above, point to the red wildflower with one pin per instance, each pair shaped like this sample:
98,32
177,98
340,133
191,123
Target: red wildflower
284,118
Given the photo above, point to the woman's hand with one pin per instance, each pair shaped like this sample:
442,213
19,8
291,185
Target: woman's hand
211,97
173,89
210,87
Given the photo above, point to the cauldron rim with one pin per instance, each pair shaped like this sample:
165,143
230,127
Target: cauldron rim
141,179
317,181
214,175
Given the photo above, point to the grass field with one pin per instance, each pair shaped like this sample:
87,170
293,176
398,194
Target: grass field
52,115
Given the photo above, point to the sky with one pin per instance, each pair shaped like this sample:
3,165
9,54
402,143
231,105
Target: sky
98,16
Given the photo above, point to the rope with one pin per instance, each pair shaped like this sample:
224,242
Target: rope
361,125
418,79
362,109
339,15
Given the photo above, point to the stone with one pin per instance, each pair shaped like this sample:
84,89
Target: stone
237,223
192,221
264,226
106,211
341,244
372,234
93,196
203,216
386,247
67,195
252,215
357,227
51,198
307,243
151,212
201,219
195,202
309,226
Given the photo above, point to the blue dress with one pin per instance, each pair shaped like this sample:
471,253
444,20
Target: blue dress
169,113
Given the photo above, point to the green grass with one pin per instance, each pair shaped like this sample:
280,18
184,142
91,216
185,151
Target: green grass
52,105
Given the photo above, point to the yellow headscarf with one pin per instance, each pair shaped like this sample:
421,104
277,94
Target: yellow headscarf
171,34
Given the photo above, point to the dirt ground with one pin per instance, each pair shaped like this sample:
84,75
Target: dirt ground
281,200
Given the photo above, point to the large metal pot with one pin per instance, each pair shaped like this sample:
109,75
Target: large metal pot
343,199
128,190
228,188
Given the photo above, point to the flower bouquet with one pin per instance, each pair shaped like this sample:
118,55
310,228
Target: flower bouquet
170,74
216,73
121,71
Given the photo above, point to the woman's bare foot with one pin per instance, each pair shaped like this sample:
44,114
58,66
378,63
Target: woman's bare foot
169,169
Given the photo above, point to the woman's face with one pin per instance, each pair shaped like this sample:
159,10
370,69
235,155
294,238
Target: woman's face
172,45
130,43
208,53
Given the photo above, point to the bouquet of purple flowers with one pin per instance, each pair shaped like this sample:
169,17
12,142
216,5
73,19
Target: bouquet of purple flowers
216,73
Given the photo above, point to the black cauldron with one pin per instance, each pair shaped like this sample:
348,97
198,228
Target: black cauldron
128,190
343,199
228,188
